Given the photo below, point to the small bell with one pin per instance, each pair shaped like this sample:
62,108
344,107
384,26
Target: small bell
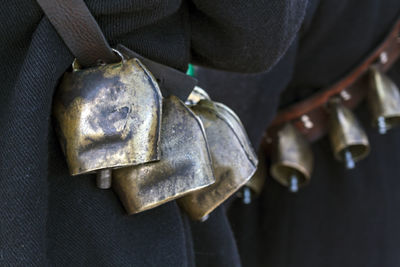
348,139
292,159
383,100
108,117
254,186
185,163
234,161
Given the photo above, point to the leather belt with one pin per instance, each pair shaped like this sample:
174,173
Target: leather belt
311,117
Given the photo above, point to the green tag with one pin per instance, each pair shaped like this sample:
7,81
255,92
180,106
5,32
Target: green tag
190,70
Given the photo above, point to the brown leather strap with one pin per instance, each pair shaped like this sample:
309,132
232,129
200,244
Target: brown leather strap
79,30
311,117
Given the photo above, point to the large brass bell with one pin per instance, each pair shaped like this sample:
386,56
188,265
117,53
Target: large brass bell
348,139
292,158
383,100
108,117
185,163
234,161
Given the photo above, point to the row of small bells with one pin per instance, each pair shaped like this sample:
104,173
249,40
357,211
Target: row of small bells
112,120
292,159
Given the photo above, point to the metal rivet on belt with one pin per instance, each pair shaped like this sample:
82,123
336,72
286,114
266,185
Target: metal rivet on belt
345,95
383,57
307,122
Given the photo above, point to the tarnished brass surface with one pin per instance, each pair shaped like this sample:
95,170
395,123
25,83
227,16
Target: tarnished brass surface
346,133
256,182
383,100
291,155
108,116
253,188
233,158
185,163
196,95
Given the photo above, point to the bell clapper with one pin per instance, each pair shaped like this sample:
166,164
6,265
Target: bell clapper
348,157
246,195
294,184
382,127
205,218
103,179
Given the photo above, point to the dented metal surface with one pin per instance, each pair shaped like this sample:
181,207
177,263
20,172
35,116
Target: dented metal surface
108,116
257,181
234,160
185,163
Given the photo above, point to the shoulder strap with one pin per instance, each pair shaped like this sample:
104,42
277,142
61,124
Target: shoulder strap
83,36
79,31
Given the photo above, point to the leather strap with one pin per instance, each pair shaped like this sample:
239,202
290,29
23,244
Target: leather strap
79,30
83,36
310,116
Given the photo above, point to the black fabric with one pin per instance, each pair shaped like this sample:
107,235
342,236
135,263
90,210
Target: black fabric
338,38
246,222
251,35
214,242
50,218
342,218
333,39
254,97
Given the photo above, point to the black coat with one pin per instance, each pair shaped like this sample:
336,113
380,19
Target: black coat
50,218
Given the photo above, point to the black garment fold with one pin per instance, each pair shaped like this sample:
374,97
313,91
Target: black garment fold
50,218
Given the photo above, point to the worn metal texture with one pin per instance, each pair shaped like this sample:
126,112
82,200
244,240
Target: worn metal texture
291,155
346,133
185,163
170,80
108,116
196,95
233,158
257,181
383,100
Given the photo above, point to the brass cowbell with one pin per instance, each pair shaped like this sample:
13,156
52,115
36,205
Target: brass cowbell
185,163
234,161
348,139
383,100
254,186
108,117
292,158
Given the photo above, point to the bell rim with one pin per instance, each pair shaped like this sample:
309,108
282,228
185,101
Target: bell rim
305,178
356,158
198,215
395,116
166,200
113,167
